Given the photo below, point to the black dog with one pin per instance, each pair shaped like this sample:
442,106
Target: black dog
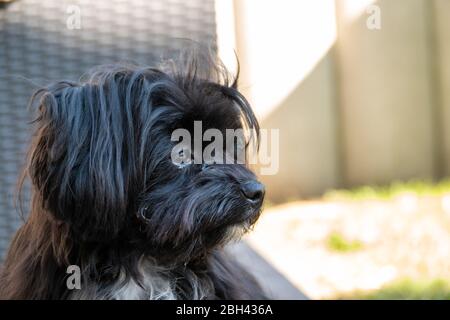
107,197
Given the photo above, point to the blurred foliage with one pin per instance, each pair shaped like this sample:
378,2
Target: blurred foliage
417,187
336,242
407,289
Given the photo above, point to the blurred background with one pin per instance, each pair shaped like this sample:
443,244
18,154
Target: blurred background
358,89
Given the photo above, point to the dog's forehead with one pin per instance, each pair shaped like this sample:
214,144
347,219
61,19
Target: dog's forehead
215,114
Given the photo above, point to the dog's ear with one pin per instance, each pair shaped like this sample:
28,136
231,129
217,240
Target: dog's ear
76,162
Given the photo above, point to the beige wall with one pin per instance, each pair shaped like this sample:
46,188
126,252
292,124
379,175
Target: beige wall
292,88
354,106
441,15
385,95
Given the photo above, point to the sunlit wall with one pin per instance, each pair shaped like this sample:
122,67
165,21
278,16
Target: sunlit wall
357,88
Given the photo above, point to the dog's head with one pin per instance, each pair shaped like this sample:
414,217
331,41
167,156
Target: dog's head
102,160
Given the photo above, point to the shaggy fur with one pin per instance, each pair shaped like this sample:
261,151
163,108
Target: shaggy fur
107,197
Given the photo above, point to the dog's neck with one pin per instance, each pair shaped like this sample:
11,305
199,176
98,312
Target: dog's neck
151,282
108,271
36,268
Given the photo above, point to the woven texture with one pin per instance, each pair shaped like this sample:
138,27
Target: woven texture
39,44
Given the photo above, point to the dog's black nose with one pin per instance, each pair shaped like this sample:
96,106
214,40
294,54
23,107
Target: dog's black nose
253,191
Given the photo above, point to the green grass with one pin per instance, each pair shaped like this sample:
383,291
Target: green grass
407,289
336,242
417,187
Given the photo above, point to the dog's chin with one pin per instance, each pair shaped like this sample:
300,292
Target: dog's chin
249,216
194,248
237,230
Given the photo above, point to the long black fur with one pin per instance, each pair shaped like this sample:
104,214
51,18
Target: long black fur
105,193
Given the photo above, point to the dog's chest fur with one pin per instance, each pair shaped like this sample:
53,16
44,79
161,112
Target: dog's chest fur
155,283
